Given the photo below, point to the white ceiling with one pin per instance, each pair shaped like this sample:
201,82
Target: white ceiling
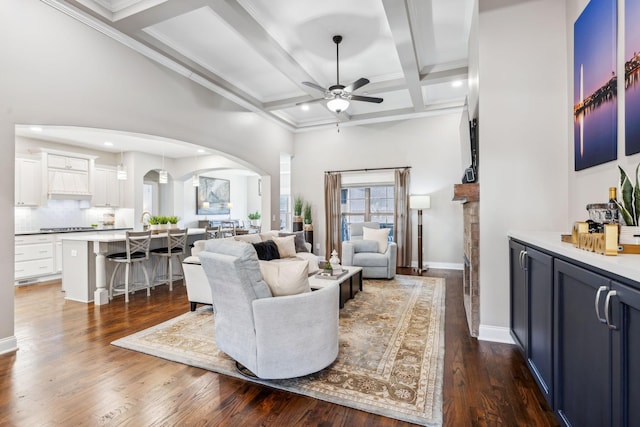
258,52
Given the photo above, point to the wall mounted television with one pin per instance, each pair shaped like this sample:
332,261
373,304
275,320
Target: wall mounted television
469,146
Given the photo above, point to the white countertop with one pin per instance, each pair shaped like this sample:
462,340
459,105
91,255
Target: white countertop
625,265
119,237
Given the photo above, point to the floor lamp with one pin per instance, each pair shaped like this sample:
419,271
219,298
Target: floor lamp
419,203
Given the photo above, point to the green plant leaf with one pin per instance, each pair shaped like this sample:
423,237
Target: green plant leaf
626,191
636,199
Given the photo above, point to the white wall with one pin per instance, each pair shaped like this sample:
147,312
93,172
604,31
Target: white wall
431,146
57,71
522,138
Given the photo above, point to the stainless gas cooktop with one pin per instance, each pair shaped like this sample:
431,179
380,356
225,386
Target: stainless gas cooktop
64,229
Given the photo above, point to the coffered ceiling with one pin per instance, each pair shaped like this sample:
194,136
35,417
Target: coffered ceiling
258,52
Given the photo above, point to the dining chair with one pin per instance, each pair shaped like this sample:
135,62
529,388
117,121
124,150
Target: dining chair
228,228
212,232
136,252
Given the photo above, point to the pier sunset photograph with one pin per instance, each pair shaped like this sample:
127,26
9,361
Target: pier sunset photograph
632,77
595,85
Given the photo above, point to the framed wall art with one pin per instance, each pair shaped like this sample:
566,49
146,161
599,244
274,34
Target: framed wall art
632,77
595,84
213,196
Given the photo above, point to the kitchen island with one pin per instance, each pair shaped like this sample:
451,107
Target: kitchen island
85,268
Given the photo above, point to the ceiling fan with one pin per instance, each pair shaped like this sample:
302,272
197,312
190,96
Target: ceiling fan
339,95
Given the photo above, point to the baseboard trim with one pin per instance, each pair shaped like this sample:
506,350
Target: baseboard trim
8,345
495,334
439,265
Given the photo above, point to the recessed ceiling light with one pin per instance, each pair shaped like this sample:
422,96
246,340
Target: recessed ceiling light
456,83
108,143
305,107
200,150
35,129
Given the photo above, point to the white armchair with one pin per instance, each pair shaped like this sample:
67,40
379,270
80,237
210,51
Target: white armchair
364,253
273,337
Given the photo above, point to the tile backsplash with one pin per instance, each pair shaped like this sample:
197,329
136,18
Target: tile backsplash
60,213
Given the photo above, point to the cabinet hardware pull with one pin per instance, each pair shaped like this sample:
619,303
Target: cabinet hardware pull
601,289
520,259
607,308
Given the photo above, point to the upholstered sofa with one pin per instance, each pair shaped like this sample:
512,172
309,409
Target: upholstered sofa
363,251
198,291
274,337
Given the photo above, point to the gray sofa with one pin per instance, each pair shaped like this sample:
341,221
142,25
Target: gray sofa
273,337
364,253
198,291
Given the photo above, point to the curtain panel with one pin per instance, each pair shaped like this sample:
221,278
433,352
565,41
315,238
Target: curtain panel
402,219
333,239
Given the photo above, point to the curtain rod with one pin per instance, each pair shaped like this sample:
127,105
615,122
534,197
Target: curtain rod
369,169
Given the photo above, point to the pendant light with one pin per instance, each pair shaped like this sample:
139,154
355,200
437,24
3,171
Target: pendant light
121,172
163,177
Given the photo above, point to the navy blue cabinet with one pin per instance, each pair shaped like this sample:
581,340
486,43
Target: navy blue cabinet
519,299
583,357
579,329
622,317
531,273
597,333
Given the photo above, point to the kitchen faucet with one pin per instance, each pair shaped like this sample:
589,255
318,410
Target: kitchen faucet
145,213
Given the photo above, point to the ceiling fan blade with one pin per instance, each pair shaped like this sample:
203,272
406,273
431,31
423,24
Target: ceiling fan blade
366,99
357,84
311,101
315,86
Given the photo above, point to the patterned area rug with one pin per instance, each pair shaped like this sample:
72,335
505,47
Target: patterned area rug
391,350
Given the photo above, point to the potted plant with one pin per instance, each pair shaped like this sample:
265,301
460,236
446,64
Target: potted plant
254,219
154,223
307,217
297,213
172,222
629,206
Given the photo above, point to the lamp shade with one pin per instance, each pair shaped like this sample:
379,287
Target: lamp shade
419,202
163,177
338,104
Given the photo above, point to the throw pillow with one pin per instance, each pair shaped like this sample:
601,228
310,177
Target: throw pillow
380,235
286,277
267,250
249,238
299,240
286,246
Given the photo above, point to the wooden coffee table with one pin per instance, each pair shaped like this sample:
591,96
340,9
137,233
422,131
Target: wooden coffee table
350,283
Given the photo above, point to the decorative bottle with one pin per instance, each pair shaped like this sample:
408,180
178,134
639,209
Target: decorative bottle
612,208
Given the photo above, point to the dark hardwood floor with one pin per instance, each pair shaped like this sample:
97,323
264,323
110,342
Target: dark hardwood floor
66,373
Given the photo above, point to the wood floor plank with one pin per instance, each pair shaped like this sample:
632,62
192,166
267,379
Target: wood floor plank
67,373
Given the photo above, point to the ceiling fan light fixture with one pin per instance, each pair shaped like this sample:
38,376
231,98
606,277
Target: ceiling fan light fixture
304,107
338,105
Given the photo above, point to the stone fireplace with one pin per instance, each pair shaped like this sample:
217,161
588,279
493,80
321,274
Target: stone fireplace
469,195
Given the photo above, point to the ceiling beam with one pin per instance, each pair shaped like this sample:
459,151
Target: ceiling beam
398,18
445,76
248,28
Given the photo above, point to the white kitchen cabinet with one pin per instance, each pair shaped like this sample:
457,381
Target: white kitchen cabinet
107,188
28,182
34,256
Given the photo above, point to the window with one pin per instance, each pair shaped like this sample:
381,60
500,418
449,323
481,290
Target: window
372,203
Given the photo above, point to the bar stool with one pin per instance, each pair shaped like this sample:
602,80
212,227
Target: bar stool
176,248
137,250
